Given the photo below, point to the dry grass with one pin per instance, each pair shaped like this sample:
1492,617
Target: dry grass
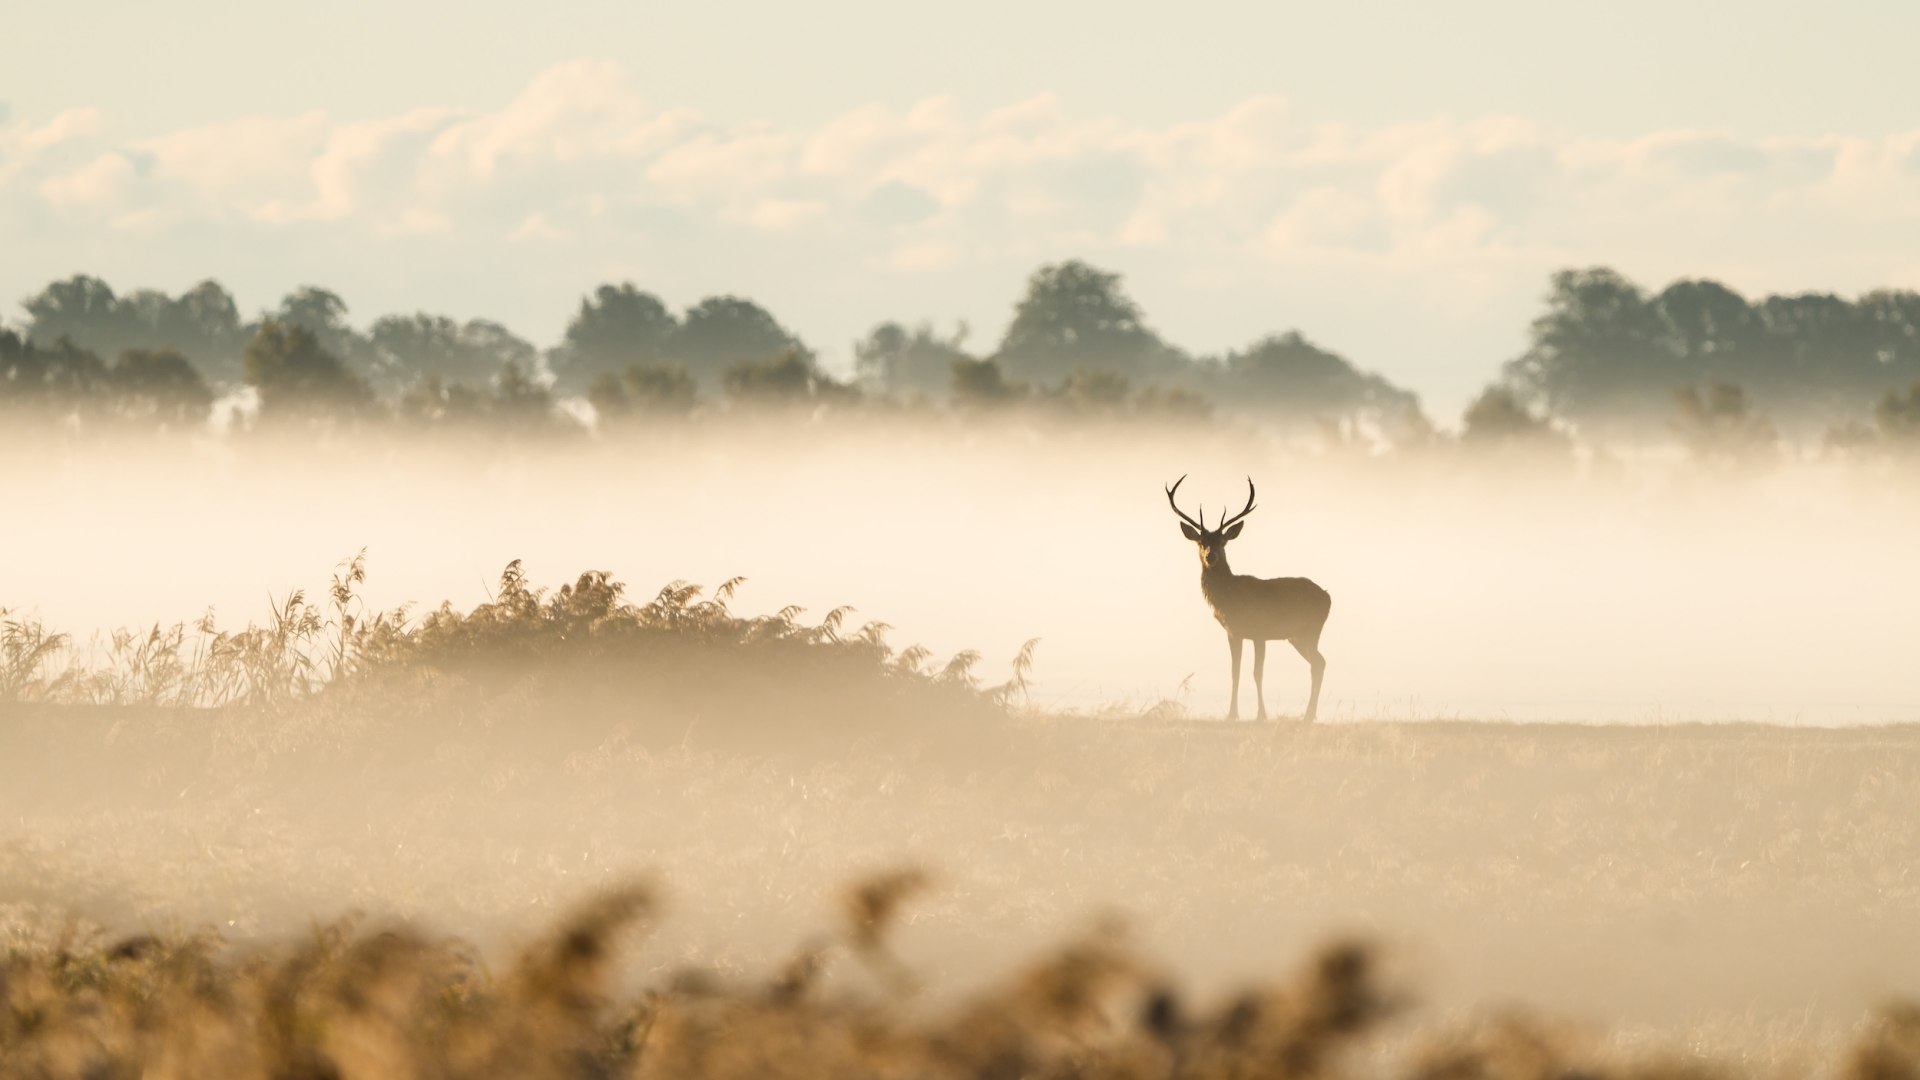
471,771
687,662
353,1001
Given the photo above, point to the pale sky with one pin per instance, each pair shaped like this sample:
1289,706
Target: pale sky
1394,180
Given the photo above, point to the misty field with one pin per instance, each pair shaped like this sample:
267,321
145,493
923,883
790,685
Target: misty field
182,806
1735,881
354,830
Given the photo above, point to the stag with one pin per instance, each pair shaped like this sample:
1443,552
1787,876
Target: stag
1287,609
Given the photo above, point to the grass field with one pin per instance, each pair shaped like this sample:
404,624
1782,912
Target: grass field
1742,891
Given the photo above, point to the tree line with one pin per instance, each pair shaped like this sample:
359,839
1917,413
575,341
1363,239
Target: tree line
1606,362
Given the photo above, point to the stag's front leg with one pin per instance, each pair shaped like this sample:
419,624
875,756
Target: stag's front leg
1233,703
1260,677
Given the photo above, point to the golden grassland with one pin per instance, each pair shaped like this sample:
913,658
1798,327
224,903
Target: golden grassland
175,815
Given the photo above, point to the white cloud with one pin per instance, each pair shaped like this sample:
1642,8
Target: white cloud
340,171
782,215
1145,228
236,167
1253,179
708,165
100,184
568,113
1328,217
145,220
64,127
21,144
354,150
537,227
860,141
921,256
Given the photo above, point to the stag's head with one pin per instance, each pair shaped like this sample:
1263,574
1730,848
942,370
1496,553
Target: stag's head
1212,542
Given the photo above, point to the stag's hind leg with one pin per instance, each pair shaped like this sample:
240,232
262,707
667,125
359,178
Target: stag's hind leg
1260,676
1309,650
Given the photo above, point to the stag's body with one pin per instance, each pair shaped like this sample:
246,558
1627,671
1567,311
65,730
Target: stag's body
1254,609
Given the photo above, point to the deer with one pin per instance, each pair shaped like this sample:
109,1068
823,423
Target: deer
1260,610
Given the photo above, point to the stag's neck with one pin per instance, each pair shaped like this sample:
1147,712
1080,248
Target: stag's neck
1216,580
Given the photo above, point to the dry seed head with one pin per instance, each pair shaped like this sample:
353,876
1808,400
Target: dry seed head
571,966
799,975
1077,984
873,905
1890,1048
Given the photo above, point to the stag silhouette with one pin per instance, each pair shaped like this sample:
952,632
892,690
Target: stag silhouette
1287,609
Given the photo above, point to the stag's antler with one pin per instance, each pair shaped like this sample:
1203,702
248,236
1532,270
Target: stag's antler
1243,513
1176,506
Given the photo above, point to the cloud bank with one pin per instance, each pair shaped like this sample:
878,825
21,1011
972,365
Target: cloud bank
582,168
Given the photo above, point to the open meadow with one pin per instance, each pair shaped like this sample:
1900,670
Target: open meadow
852,847
1741,892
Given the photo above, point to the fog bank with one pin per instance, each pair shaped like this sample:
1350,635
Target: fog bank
1595,593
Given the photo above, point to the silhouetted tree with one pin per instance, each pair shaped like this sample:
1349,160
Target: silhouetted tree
895,360
432,402
1410,429
160,386
513,404
522,406
314,309
202,324
1717,425
63,381
1607,358
616,328
1175,403
1711,329
207,311
499,346
1499,420
1890,322
1601,354
323,314
1897,416
1091,392
1820,359
411,347
296,377
146,387
1287,376
1074,316
82,309
659,392
980,384
788,378
721,333
1850,436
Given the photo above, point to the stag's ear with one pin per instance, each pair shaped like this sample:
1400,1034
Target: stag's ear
1189,532
1235,530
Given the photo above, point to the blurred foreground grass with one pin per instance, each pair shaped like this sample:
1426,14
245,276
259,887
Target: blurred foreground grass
353,1001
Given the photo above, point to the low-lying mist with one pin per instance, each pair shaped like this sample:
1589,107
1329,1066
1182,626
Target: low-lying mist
1599,591
476,767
